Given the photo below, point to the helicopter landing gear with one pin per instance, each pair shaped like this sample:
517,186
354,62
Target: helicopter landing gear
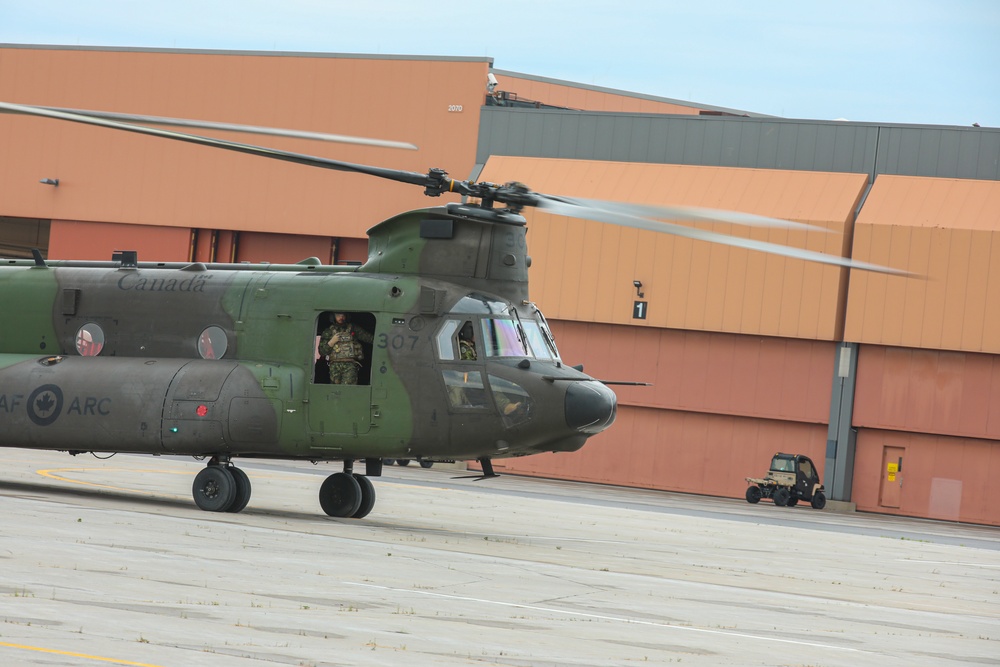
221,488
346,494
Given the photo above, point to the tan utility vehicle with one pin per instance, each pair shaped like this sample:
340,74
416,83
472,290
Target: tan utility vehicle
792,477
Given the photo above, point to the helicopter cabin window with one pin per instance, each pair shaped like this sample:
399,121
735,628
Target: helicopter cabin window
502,338
212,343
465,389
89,340
343,347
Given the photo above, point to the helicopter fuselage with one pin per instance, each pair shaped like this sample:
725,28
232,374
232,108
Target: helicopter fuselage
226,361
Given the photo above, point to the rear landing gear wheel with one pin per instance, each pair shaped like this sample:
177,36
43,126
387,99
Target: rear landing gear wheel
340,495
214,489
367,497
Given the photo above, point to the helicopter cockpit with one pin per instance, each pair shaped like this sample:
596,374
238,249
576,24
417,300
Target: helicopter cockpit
479,330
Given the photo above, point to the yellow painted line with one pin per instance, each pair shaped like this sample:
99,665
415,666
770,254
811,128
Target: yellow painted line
72,654
51,473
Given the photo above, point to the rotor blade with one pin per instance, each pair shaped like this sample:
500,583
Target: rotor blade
287,156
691,214
232,127
567,207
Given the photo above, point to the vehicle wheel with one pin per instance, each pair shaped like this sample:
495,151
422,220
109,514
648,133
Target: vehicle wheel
792,502
243,490
388,462
402,462
753,494
781,497
818,500
426,464
214,489
367,496
340,495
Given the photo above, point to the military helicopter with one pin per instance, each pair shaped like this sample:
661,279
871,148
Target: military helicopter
228,361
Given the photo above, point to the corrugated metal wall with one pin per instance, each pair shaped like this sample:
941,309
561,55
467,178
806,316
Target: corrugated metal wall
585,270
947,232
928,391
952,479
110,176
765,143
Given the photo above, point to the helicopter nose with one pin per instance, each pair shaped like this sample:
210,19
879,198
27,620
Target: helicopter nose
590,406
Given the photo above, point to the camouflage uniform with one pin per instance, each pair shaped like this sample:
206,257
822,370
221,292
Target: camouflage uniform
466,350
341,343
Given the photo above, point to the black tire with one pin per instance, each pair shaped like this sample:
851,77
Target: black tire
340,495
402,462
243,490
818,501
388,462
792,501
367,497
781,497
753,494
426,464
214,489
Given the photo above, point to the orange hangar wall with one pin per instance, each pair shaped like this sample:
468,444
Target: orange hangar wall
719,406
113,177
927,405
584,270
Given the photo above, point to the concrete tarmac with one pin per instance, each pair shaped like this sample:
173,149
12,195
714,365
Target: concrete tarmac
110,563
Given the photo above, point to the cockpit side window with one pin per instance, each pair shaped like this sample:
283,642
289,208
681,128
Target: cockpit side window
457,340
465,389
445,340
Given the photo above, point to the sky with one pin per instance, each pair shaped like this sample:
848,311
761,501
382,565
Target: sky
889,61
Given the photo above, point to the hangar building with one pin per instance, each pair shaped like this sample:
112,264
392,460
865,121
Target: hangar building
879,379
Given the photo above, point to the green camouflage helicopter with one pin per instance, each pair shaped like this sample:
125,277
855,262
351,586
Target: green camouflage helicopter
228,361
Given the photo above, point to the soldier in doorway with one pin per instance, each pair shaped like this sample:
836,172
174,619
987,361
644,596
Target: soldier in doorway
341,343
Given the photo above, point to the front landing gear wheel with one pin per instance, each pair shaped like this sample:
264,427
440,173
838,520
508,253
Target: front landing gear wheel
340,495
367,497
243,490
214,489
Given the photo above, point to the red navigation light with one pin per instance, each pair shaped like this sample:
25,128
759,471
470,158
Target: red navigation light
202,410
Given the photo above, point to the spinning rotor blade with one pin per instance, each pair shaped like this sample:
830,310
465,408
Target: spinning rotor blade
232,127
287,156
693,214
579,208
514,195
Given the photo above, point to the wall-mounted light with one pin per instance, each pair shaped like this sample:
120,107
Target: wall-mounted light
638,288
50,181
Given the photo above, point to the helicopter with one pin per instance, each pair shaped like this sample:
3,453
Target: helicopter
224,362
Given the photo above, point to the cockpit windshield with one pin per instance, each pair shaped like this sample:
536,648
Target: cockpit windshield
480,327
501,338
540,344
